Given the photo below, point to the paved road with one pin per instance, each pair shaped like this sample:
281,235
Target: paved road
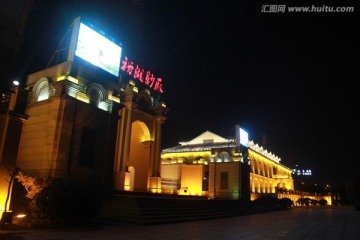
312,223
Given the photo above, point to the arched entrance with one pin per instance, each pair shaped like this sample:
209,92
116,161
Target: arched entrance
139,164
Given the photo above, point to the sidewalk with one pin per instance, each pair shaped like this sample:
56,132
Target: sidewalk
310,223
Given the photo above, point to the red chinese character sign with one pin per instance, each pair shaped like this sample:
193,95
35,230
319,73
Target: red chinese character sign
138,73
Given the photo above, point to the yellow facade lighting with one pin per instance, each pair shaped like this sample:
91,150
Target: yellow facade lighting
82,97
66,77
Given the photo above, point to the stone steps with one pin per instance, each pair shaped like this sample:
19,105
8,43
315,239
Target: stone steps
153,209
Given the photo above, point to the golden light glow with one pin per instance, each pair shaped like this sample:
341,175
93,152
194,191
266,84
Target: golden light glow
200,161
264,152
280,176
70,78
155,185
187,155
3,194
113,98
127,182
191,180
82,97
172,161
258,157
61,78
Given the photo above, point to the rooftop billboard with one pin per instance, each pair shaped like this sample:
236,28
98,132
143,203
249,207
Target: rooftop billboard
242,136
95,47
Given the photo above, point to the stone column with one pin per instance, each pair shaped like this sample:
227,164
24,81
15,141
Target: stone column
123,144
155,178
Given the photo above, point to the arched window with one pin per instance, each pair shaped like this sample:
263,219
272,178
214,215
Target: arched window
41,90
225,157
96,94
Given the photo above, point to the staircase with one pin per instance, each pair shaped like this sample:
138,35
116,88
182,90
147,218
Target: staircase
149,209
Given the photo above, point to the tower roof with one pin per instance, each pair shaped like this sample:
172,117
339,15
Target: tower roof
206,137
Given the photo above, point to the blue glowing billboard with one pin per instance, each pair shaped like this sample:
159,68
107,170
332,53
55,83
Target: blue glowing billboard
95,48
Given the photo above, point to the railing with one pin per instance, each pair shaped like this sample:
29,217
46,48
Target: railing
275,190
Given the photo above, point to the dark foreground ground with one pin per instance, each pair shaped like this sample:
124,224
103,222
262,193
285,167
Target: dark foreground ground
297,223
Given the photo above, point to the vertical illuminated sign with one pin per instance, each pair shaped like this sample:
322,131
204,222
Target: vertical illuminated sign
242,137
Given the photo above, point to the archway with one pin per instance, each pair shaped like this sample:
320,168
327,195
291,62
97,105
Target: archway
139,157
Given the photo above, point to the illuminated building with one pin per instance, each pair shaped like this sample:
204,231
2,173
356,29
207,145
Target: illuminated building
12,119
84,119
210,165
91,130
88,121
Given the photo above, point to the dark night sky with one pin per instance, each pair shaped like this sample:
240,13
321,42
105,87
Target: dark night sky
287,76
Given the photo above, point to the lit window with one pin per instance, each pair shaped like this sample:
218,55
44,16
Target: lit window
43,91
225,157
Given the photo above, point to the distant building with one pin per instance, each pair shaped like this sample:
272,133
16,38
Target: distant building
213,166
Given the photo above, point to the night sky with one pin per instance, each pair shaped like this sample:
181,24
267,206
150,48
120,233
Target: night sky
288,78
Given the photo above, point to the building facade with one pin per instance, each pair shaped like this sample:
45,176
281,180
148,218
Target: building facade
98,132
12,119
213,166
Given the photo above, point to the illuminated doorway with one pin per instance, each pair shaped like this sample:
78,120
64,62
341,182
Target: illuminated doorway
139,157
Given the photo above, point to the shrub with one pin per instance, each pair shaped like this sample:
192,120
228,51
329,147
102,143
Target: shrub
314,202
64,202
267,200
323,202
304,201
286,202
